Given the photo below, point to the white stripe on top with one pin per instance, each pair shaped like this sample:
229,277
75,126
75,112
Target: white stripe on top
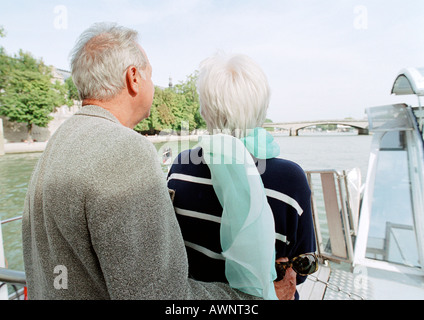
198,215
284,198
186,177
219,256
282,237
209,217
269,192
205,251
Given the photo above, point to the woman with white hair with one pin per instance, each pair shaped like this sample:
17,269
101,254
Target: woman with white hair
240,208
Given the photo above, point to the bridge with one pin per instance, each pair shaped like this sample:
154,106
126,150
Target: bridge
294,127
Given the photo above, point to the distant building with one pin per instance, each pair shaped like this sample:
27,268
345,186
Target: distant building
60,74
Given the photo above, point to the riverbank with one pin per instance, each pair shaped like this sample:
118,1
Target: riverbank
25,147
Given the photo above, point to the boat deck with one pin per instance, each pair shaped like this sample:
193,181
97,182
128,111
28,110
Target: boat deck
334,284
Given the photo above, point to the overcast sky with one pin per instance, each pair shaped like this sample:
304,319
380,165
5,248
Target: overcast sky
326,59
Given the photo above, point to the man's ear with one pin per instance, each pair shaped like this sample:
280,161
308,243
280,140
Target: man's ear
133,80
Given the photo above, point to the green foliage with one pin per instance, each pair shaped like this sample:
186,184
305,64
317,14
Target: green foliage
174,108
71,89
189,91
269,121
5,68
27,94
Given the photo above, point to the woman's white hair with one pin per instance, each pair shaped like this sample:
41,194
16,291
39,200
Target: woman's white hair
234,94
101,57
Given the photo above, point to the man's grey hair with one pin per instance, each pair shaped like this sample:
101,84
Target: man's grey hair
100,58
234,94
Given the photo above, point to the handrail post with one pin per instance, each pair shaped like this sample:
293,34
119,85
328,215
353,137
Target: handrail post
345,219
315,218
3,289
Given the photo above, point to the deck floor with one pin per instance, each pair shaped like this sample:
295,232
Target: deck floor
333,284
313,289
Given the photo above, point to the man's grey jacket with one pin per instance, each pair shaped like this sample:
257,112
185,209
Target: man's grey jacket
98,221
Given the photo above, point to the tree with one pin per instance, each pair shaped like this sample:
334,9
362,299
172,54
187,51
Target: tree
192,106
5,68
5,63
269,121
27,94
151,125
71,89
174,107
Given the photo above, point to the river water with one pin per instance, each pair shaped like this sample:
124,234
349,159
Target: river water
311,151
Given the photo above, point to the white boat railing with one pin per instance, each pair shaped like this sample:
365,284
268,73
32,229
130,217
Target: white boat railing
12,276
7,276
11,219
335,210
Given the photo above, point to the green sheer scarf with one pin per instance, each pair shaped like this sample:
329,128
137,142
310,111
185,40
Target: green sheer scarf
261,144
247,231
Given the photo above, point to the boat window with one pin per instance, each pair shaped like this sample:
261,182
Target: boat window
393,140
391,234
402,86
409,81
389,118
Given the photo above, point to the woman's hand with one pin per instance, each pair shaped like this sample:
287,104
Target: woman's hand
286,288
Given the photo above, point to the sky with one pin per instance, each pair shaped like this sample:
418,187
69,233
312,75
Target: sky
326,59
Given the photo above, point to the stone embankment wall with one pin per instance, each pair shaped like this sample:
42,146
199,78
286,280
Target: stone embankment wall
18,132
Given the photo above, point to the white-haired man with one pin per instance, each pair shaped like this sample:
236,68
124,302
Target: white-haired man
98,221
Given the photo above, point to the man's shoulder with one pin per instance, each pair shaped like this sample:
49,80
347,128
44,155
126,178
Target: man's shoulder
104,128
127,141
99,137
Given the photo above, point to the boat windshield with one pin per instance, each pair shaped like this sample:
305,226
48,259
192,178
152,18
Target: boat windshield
391,235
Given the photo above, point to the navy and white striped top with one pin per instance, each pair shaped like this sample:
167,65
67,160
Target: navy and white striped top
199,211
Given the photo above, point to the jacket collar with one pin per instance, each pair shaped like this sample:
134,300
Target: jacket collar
96,111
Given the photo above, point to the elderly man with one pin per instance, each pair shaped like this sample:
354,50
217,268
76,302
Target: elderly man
98,221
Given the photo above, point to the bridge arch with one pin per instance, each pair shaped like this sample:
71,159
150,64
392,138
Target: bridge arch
294,127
